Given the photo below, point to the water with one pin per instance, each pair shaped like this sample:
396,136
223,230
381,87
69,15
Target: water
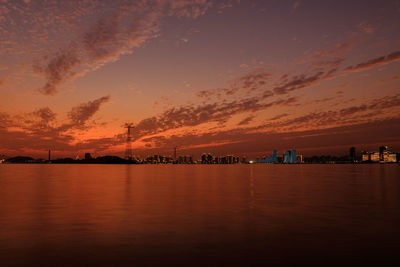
128,215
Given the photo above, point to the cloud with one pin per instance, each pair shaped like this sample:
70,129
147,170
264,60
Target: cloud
372,63
246,120
40,130
191,115
296,4
4,120
247,83
83,112
57,70
298,82
189,8
116,31
349,115
46,114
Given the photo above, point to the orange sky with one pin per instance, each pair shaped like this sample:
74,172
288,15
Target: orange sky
227,77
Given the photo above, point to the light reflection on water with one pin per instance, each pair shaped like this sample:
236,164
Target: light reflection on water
70,215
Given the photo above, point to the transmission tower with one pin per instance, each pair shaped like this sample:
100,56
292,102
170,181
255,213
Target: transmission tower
175,148
128,148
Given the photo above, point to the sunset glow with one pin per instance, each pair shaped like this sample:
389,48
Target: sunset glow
231,76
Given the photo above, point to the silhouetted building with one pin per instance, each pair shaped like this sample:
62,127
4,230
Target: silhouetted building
207,158
88,156
382,150
352,154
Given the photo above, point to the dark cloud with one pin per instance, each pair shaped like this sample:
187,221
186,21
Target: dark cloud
45,114
80,114
4,120
277,117
372,63
195,115
249,82
57,70
246,120
102,39
245,84
348,115
298,82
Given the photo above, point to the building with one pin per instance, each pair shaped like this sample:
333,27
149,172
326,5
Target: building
293,156
383,156
352,154
374,156
270,159
382,152
300,159
290,156
207,158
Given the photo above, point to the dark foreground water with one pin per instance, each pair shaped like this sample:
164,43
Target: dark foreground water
127,215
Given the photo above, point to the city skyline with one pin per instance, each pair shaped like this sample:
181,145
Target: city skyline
228,77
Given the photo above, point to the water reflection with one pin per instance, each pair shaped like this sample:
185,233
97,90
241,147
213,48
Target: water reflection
114,214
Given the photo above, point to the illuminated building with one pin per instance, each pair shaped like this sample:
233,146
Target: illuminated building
382,152
374,156
271,159
293,156
390,157
300,159
365,156
290,156
383,156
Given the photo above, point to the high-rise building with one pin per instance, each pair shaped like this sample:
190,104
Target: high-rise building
293,156
287,157
382,150
352,154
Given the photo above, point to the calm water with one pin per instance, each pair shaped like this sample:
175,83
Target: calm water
127,215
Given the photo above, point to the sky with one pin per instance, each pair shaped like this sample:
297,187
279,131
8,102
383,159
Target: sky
238,77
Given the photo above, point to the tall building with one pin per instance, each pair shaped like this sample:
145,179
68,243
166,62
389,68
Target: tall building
286,157
382,150
293,156
352,154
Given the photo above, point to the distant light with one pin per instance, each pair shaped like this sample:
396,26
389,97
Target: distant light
251,162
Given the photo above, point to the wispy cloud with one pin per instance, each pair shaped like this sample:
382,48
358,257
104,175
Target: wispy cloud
375,62
94,33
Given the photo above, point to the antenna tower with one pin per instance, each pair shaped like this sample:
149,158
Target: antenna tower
128,148
175,148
